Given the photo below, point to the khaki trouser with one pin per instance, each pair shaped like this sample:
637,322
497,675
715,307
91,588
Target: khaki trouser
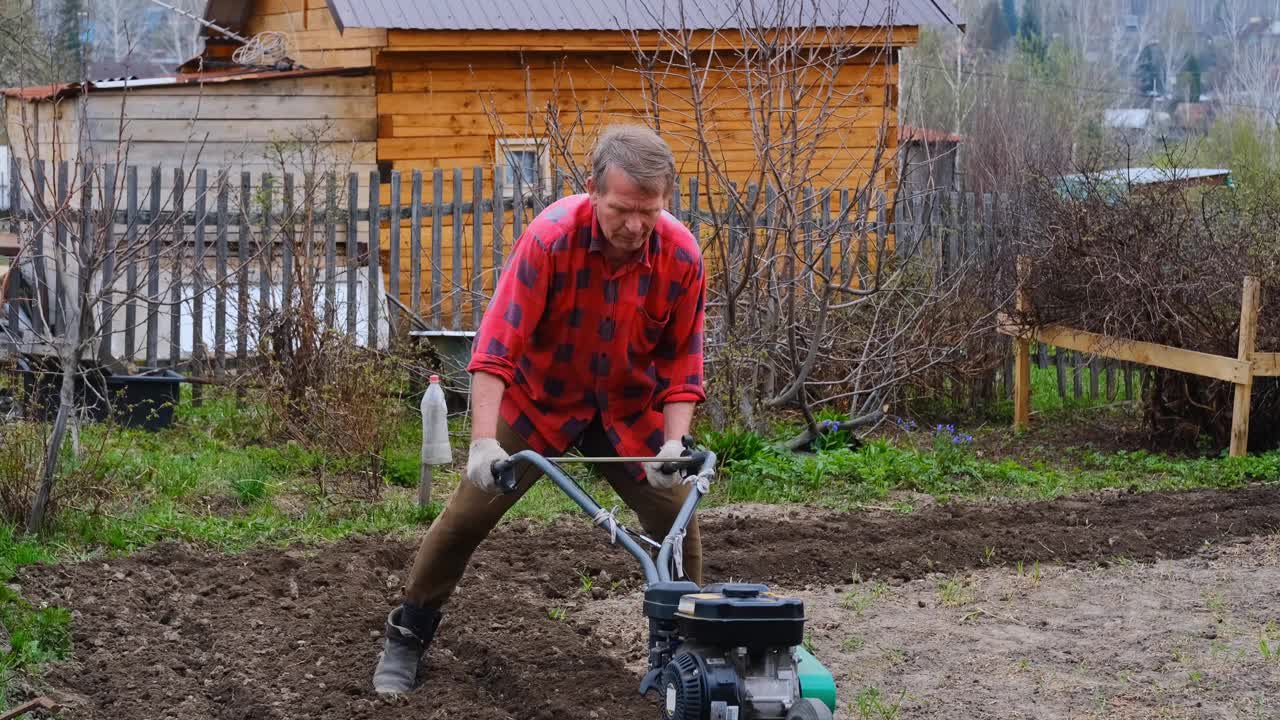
471,514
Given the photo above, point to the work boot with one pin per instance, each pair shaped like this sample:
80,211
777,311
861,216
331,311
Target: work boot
408,632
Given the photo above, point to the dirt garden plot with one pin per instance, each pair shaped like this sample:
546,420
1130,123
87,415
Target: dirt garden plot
1112,606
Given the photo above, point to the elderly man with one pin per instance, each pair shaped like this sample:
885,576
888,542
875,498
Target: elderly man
593,340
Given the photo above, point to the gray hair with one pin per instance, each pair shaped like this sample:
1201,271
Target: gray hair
637,151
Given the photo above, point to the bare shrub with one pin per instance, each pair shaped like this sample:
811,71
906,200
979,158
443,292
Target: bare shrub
334,398
82,482
788,130
1163,264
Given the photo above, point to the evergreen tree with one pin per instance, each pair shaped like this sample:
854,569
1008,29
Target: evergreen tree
991,32
1193,78
70,39
1010,10
1149,75
1030,36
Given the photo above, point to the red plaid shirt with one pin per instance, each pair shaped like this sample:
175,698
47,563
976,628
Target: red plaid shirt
572,338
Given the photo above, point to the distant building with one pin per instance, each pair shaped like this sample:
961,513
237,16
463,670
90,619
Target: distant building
1114,183
928,159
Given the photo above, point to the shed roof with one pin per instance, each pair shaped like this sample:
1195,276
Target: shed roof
552,15
53,92
1150,175
911,133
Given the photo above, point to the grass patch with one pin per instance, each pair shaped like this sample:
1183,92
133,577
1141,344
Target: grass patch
843,478
955,592
1045,400
860,599
872,704
33,636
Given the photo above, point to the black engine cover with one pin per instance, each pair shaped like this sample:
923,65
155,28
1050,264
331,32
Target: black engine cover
691,683
740,615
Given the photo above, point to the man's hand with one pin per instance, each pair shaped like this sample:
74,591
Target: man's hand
484,453
672,449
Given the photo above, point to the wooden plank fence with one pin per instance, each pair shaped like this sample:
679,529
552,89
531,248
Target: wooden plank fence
195,273
1240,370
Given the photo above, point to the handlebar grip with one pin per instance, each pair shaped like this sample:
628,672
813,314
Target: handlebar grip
504,471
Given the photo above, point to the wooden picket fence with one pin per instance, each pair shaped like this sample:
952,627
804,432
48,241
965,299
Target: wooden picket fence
236,244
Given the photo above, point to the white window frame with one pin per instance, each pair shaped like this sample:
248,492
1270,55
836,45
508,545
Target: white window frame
504,145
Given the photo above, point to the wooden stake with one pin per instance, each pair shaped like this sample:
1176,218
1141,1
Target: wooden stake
1244,391
1022,354
424,486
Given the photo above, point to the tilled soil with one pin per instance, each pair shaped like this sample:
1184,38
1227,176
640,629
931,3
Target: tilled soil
174,632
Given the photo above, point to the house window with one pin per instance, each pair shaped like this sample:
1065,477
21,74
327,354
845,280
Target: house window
526,159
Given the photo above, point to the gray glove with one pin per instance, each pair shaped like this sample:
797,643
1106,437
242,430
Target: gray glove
484,453
670,450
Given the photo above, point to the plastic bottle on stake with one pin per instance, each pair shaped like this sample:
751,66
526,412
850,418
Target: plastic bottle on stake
435,437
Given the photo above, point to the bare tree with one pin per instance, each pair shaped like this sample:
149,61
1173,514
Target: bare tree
787,126
1253,85
141,30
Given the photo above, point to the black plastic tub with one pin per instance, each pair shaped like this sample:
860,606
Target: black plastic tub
145,400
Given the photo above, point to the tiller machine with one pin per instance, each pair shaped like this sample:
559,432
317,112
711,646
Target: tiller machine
726,651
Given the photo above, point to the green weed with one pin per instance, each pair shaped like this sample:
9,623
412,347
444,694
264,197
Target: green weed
249,490
955,592
871,704
557,614
853,644
860,599
1269,651
35,636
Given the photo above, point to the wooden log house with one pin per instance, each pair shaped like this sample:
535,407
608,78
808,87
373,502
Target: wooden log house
462,92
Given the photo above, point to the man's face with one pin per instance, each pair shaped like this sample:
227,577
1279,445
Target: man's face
627,213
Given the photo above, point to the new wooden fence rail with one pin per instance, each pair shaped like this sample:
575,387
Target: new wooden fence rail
1239,370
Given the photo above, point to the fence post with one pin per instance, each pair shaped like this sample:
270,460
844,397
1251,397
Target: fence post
288,240
497,211
266,251
61,181
415,244
331,251
393,260
1022,354
15,194
1248,335
179,235
477,241
108,262
375,256
353,248
197,273
437,255
242,242
455,296
1060,362
153,271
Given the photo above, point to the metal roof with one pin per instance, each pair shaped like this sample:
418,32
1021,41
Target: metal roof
1149,175
53,92
911,133
551,15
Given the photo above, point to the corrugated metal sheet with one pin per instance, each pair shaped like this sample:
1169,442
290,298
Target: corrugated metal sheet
910,133
636,14
52,92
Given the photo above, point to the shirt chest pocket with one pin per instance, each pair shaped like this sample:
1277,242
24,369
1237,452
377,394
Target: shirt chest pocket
646,331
